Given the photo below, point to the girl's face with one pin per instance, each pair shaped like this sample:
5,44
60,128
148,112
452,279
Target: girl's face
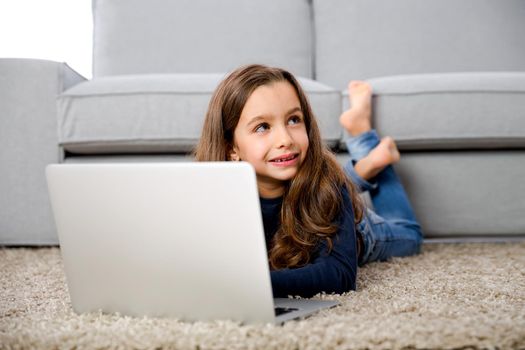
271,135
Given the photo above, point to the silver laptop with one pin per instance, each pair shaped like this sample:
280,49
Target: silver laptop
182,240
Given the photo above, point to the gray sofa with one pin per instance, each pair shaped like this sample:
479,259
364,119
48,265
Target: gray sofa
448,80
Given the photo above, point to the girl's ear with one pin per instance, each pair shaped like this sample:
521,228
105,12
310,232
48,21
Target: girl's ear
233,155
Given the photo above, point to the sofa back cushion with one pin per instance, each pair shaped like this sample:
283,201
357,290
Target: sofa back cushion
361,39
200,36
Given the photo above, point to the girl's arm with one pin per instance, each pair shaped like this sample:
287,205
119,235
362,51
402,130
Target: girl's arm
335,272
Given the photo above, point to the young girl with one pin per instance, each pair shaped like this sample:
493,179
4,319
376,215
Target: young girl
316,229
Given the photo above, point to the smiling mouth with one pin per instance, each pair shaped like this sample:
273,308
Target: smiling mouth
285,159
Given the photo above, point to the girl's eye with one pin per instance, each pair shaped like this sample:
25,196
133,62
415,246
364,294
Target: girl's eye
261,127
294,120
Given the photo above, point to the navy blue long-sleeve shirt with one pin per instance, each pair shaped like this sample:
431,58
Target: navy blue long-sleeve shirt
333,272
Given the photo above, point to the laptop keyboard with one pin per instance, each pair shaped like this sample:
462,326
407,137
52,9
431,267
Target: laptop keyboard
284,310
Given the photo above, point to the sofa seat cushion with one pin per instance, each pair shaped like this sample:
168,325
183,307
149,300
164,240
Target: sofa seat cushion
156,113
451,111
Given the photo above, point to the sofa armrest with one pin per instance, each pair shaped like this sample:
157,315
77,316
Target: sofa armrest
28,142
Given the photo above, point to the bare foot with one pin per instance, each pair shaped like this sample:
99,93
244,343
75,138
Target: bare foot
357,119
384,154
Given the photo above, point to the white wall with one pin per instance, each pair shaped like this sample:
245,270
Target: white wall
58,30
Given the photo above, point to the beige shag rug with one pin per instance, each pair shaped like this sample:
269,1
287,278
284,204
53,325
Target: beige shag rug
463,296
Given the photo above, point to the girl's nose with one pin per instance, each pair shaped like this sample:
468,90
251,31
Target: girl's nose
284,139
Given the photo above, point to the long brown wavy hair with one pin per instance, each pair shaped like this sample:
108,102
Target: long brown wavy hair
312,200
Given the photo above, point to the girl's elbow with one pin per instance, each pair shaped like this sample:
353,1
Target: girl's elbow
347,281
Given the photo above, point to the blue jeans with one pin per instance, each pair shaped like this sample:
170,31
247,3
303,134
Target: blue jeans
391,229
